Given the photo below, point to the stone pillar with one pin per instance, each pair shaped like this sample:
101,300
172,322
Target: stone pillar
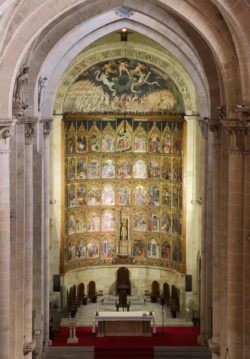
236,250
6,130
206,256
47,125
214,343
193,210
29,129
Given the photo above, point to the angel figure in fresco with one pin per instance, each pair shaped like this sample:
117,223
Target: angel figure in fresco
123,68
141,80
109,69
101,77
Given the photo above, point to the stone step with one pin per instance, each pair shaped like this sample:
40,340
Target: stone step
182,353
69,353
112,353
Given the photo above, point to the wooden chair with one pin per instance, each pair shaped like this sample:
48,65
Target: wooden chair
175,293
92,294
155,292
122,300
81,297
166,294
123,282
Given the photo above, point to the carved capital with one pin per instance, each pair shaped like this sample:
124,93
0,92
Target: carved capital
7,127
237,130
203,123
47,127
29,129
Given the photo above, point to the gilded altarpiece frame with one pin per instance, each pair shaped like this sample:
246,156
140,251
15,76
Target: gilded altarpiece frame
123,182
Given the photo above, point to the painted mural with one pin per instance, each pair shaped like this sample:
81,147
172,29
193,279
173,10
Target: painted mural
123,191
123,84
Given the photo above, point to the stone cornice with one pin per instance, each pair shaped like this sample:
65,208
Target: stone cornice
7,128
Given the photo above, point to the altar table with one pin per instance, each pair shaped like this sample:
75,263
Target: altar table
124,323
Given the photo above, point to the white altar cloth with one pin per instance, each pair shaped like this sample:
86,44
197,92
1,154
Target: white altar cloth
140,316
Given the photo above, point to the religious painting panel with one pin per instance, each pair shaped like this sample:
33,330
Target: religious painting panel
154,220
166,168
94,194
123,194
71,249
154,140
94,139
124,137
140,195
71,168
176,224
71,195
108,168
108,220
108,139
93,221
140,168
176,169
71,139
177,139
176,197
166,222
107,247
81,195
166,248
139,247
108,194
81,145
154,167
81,225
154,195
81,168
166,195
81,248
93,248
71,223
140,139
140,220
153,248
94,167
167,139
124,167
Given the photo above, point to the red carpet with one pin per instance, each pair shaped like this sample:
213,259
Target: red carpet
168,336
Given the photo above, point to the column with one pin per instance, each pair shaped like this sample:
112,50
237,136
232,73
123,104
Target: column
236,250
214,343
47,125
29,130
206,255
6,130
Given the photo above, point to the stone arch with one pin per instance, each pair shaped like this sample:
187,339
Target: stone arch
219,46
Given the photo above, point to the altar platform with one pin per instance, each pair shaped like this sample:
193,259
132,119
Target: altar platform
137,323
